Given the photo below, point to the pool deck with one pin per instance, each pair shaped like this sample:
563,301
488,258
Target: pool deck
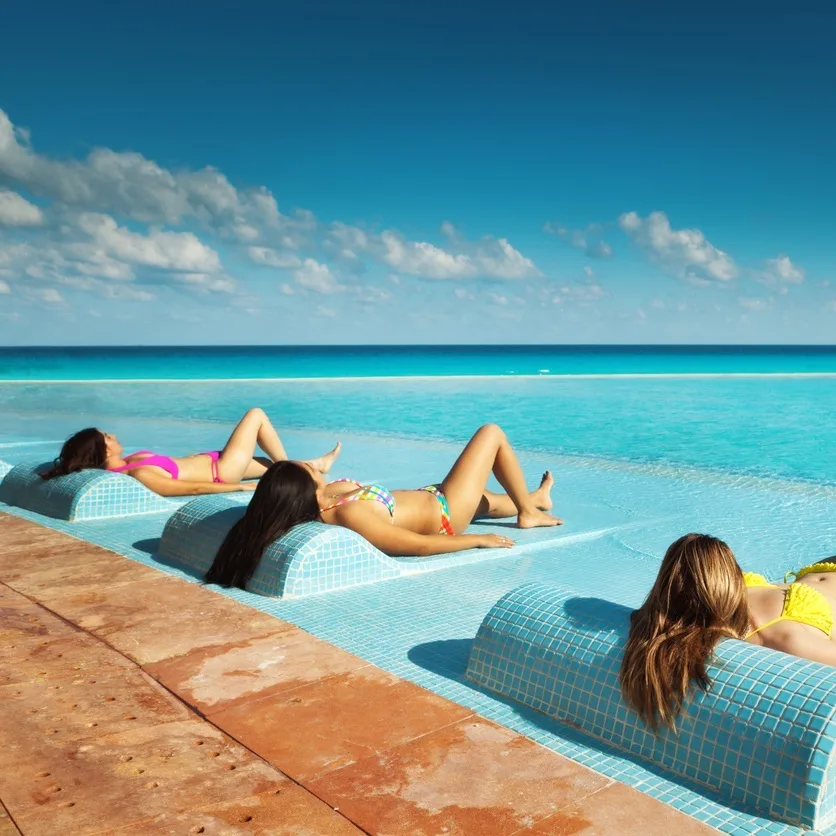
137,702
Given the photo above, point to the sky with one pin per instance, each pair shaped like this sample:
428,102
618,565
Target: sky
378,172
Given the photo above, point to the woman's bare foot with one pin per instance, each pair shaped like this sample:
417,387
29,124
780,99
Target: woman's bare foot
542,497
323,463
537,519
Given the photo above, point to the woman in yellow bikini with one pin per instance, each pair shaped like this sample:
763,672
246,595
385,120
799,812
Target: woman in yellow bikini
700,597
426,521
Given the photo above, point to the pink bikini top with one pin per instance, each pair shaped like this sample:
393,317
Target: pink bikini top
148,458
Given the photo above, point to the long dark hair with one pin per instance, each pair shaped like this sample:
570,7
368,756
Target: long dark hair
699,598
81,451
285,496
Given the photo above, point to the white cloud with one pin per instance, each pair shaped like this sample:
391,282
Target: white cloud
685,252
498,299
17,211
584,293
461,293
780,271
488,258
371,295
286,290
273,258
328,313
176,251
133,294
128,184
499,260
316,277
752,304
419,258
4,288
588,239
210,282
47,294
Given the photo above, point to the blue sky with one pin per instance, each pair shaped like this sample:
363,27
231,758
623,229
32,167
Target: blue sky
343,173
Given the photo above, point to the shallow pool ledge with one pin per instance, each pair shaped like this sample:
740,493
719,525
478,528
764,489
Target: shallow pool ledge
762,738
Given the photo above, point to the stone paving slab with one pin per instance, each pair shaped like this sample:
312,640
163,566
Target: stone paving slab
220,677
333,723
73,656
288,811
74,709
7,826
129,616
471,777
95,745
620,811
90,785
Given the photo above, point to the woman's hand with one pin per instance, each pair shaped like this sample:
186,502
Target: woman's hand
494,541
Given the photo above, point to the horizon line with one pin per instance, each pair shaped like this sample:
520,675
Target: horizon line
426,345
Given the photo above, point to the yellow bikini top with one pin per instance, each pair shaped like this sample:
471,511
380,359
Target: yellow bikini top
802,603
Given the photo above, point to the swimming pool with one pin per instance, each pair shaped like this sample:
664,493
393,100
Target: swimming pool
641,460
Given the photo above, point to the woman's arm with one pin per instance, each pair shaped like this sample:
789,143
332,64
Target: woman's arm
176,487
400,542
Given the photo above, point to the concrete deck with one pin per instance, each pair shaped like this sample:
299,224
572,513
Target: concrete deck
136,702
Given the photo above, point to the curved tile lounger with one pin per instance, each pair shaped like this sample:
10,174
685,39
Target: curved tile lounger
86,495
311,558
763,738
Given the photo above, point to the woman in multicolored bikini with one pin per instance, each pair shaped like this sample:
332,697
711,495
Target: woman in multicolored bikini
217,471
426,521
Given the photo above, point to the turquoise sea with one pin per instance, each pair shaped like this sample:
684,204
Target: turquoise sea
272,362
747,410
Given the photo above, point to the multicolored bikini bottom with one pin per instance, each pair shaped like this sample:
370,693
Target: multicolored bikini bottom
446,524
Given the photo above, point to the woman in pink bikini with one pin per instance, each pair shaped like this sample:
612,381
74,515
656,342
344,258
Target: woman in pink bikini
217,471
426,521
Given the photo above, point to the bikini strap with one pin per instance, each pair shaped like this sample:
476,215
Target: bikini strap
781,617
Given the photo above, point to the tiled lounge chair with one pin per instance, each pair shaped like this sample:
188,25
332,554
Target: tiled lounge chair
313,557
762,738
86,495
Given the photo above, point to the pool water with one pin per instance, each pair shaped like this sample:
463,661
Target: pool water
770,426
638,462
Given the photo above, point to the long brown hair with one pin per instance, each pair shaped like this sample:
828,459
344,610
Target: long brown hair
699,598
285,496
85,449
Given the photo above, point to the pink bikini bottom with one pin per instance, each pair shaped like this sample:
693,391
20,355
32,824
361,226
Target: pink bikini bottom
214,455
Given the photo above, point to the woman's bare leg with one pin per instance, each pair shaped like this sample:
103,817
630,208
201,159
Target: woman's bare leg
255,430
499,505
464,486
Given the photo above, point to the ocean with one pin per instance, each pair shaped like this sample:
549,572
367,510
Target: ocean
280,362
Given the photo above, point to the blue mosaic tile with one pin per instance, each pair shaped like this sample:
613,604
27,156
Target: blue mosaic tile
560,654
86,495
